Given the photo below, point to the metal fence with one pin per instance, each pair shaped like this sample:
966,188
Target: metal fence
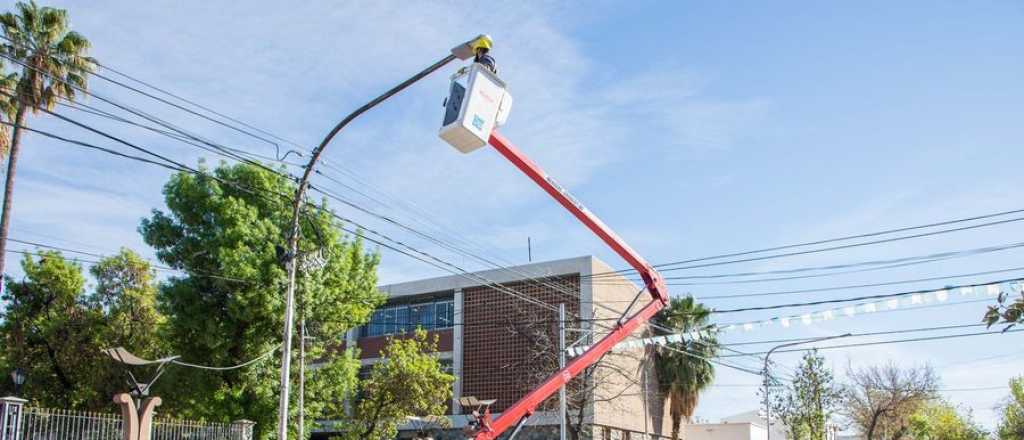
173,429
19,422
61,424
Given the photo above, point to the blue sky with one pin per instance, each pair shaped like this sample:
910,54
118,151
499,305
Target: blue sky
693,128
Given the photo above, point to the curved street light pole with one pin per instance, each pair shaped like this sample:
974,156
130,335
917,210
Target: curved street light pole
767,376
463,51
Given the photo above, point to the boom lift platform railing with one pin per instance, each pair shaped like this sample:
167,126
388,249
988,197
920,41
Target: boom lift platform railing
478,102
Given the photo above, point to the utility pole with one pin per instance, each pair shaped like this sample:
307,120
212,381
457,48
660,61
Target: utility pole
767,378
463,51
562,407
302,373
644,375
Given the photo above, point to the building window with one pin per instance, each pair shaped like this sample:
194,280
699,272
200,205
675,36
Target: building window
404,318
447,366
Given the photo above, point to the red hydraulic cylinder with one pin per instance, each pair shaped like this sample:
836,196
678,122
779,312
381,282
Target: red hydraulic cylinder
652,280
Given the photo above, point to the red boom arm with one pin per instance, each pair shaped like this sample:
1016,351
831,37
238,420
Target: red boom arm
652,280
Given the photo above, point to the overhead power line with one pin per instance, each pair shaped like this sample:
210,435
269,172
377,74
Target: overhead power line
858,335
278,157
858,286
187,110
392,221
901,309
897,341
382,241
197,105
423,256
864,297
152,264
231,153
95,147
134,111
878,265
666,267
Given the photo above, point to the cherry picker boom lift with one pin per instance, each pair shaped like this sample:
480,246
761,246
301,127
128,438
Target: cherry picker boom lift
478,102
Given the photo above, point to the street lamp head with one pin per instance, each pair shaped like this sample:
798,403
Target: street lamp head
469,49
18,377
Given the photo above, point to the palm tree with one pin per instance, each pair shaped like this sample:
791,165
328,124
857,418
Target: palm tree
54,66
683,368
8,108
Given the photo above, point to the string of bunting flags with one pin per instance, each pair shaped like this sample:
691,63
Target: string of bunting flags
896,301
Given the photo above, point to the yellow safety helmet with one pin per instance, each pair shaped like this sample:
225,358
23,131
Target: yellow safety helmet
482,42
470,48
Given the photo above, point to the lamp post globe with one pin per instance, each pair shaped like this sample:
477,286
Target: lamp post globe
18,377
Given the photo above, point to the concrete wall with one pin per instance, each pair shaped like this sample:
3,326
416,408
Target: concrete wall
754,417
724,431
620,401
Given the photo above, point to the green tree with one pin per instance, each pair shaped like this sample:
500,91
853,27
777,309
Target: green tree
682,377
8,107
54,329
224,231
942,421
126,293
880,399
1006,311
807,404
51,334
409,381
55,67
1011,423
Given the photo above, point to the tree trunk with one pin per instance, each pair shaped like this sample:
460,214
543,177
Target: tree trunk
871,426
12,164
675,411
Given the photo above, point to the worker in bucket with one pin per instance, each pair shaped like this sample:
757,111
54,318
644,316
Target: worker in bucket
481,48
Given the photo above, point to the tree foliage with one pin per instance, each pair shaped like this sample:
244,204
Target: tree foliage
8,107
682,377
1006,311
224,229
938,420
879,400
126,292
56,62
1011,422
54,330
807,404
409,381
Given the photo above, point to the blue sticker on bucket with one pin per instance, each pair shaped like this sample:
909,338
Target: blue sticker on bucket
478,122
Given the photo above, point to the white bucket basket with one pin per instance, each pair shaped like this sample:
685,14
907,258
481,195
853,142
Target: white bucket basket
477,103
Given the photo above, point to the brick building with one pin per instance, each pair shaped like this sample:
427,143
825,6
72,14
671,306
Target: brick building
490,338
